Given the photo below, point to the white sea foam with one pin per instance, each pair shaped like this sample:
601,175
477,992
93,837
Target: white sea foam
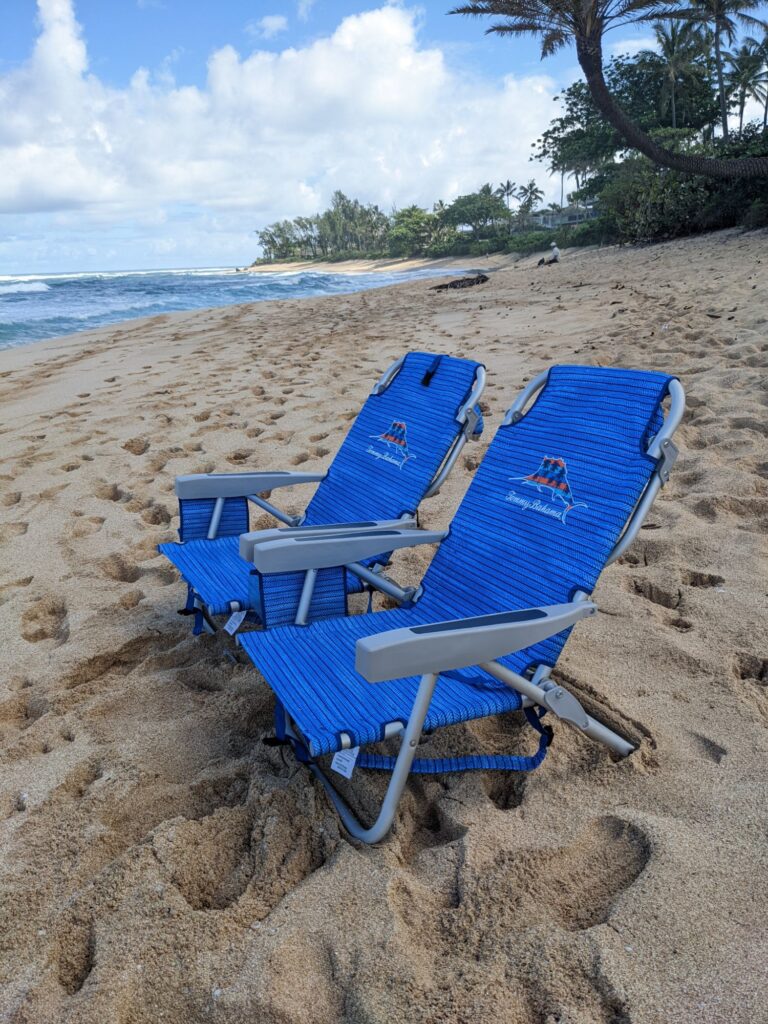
24,286
107,274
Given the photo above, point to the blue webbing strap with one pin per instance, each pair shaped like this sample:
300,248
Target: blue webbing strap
426,380
471,762
190,608
283,739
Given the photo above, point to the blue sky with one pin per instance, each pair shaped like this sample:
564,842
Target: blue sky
125,34
153,133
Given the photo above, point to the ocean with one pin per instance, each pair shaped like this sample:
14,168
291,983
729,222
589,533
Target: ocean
38,306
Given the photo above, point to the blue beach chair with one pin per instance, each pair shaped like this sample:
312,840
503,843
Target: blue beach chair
561,493
399,450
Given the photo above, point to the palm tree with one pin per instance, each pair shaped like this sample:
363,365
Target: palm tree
584,22
507,190
747,76
763,48
679,47
529,195
724,17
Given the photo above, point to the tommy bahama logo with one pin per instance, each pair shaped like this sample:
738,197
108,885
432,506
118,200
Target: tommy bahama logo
395,445
551,480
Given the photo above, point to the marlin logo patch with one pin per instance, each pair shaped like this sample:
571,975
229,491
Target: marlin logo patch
395,445
551,480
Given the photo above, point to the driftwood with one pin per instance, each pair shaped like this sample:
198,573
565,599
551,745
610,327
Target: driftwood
460,282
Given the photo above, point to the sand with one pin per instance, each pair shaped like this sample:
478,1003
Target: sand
158,863
449,264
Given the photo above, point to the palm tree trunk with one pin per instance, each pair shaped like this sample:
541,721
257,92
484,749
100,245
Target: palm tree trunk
721,83
765,110
674,109
590,56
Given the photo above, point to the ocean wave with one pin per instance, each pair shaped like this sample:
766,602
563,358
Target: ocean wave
31,286
81,301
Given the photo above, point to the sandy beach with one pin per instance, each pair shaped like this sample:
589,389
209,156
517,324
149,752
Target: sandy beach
159,863
496,261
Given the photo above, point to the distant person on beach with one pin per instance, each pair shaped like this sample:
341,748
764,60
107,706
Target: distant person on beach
554,257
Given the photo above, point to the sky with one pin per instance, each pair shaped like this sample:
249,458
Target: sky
164,133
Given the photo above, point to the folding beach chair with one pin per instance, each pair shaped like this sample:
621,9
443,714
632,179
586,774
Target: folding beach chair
561,492
400,449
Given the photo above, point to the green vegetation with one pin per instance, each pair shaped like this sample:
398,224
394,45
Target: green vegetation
472,225
677,99
673,96
583,23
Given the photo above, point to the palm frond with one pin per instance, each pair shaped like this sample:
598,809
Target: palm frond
519,28
552,41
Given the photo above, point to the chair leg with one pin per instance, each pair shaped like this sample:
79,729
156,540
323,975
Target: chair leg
563,705
402,768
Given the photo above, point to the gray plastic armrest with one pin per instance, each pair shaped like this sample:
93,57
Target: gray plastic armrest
442,646
249,540
295,553
238,485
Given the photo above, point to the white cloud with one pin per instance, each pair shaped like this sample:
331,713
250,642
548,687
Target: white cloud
304,7
90,172
630,47
269,26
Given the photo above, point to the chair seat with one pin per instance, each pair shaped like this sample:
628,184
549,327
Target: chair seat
312,672
218,575
215,571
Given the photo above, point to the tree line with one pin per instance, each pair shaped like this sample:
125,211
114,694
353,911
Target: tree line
647,140
472,224
584,23
681,95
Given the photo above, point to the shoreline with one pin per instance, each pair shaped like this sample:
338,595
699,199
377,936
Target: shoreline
349,269
482,264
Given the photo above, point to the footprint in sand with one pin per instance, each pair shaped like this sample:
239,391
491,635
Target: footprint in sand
46,619
612,854
751,510
267,849
680,624
711,751
693,578
9,531
751,668
238,456
7,590
131,599
136,445
656,594
117,567
86,526
109,492
156,515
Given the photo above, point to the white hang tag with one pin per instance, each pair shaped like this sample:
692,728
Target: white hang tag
343,762
234,622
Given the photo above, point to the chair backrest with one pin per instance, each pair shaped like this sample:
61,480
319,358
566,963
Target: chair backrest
398,442
549,500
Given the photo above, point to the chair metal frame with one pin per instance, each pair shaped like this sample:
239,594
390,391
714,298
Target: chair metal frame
539,690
